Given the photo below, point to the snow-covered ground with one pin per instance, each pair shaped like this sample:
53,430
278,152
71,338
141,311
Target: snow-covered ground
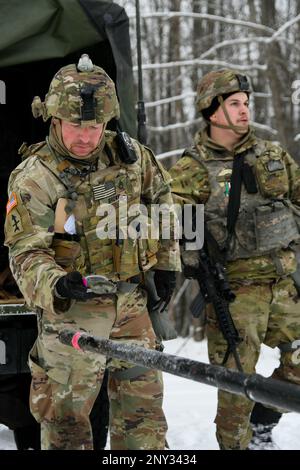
190,406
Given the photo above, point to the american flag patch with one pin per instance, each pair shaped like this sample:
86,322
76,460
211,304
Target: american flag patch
12,202
104,191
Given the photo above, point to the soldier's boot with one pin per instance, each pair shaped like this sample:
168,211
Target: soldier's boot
263,420
99,416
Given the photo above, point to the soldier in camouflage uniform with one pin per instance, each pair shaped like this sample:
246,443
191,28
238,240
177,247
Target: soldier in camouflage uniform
260,255
52,231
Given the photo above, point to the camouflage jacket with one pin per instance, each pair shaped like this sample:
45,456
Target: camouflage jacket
43,179
260,246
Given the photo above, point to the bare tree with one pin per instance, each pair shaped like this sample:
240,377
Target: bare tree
184,39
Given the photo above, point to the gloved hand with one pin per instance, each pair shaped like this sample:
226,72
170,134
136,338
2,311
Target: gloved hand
190,272
72,286
165,283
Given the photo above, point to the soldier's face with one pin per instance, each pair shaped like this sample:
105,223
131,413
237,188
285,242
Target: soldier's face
237,106
81,141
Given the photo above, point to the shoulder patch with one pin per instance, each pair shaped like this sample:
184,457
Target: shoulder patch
17,223
12,202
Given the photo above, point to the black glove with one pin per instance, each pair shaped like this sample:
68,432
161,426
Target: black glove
165,283
190,272
71,287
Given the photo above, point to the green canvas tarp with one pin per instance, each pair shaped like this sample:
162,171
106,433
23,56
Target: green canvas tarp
41,30
37,38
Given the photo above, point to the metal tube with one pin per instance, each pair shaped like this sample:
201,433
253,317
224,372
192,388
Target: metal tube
253,386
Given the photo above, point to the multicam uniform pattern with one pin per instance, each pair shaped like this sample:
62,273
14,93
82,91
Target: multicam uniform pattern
63,99
65,381
266,309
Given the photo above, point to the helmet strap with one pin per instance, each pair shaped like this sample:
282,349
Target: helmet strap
89,104
237,129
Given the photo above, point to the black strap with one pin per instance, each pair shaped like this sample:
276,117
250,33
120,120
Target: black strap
89,102
235,192
249,179
67,236
241,172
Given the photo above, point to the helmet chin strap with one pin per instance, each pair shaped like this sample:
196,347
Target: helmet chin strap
237,129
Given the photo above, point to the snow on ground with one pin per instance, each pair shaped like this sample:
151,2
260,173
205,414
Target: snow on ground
190,407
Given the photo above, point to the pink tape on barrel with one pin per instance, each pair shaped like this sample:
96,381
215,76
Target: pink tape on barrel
75,341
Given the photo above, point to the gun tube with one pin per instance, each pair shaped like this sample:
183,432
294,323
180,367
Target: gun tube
253,386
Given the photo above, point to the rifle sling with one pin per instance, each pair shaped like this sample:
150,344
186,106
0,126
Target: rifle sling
234,195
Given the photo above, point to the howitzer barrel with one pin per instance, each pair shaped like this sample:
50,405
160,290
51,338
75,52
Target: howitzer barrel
253,386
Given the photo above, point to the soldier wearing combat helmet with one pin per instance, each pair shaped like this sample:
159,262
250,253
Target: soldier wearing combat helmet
251,191
60,200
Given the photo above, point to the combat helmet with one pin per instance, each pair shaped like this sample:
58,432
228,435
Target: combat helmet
218,83
82,94
214,88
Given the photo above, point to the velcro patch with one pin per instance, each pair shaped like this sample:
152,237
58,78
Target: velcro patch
275,165
105,190
18,223
12,202
13,225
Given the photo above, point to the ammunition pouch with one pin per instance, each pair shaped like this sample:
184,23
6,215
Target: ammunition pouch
296,275
147,249
126,256
275,227
68,253
129,374
271,173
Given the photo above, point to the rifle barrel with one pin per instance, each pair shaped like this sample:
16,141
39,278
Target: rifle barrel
253,386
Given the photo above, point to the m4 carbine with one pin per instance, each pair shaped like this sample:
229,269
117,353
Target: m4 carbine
215,290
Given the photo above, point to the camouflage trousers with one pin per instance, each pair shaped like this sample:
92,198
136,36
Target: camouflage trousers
66,382
266,313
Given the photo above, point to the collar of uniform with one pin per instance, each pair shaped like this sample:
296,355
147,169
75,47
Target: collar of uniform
248,141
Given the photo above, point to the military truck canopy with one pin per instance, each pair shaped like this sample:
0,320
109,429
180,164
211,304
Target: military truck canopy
33,33
39,37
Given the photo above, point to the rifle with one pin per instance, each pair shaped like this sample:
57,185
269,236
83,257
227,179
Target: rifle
141,113
215,290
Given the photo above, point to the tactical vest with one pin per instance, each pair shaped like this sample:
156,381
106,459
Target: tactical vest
266,222
114,256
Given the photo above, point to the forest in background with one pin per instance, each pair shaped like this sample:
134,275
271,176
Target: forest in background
184,39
